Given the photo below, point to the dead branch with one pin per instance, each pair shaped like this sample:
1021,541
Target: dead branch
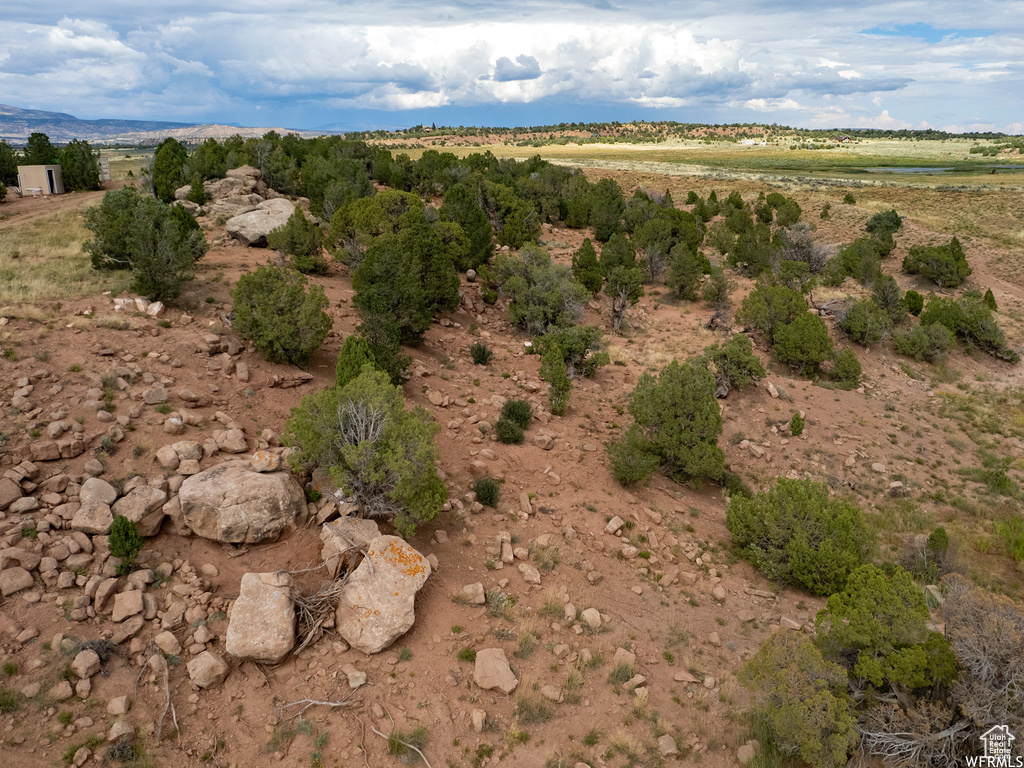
307,703
315,609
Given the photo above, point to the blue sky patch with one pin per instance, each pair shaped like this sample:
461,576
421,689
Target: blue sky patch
925,32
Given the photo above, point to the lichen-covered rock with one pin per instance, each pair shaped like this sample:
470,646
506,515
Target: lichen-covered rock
377,602
232,503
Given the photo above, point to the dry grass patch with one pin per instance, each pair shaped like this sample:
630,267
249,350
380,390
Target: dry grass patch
44,260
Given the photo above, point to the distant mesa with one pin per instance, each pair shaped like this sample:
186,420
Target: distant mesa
17,124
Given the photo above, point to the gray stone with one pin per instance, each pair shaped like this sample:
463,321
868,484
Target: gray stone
10,492
232,503
253,227
127,604
155,396
492,671
13,580
230,440
473,594
262,623
97,491
86,664
144,507
93,519
208,670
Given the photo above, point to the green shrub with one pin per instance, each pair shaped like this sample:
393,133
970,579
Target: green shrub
849,199
285,322
826,212
925,342
945,264
865,322
686,269
914,302
579,346
552,370
481,353
517,411
78,167
755,251
885,221
372,447
624,286
886,295
460,207
861,260
735,363
796,534
989,300
353,355
125,543
508,432
585,267
715,291
409,276
794,274
971,320
804,343
302,240
677,412
158,243
802,698
487,491
197,193
877,626
846,369
542,295
10,701
769,307
169,169
381,334
632,457
796,425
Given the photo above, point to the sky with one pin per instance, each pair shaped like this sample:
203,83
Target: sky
359,65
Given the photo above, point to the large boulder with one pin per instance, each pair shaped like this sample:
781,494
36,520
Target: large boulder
252,228
377,601
96,491
262,624
144,507
232,503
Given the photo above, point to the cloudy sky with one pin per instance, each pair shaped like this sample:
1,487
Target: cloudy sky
352,64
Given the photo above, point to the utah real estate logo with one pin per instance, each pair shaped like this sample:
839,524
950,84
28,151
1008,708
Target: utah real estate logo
998,745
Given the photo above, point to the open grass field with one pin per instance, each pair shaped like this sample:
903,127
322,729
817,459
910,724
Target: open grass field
846,161
125,161
44,260
968,200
